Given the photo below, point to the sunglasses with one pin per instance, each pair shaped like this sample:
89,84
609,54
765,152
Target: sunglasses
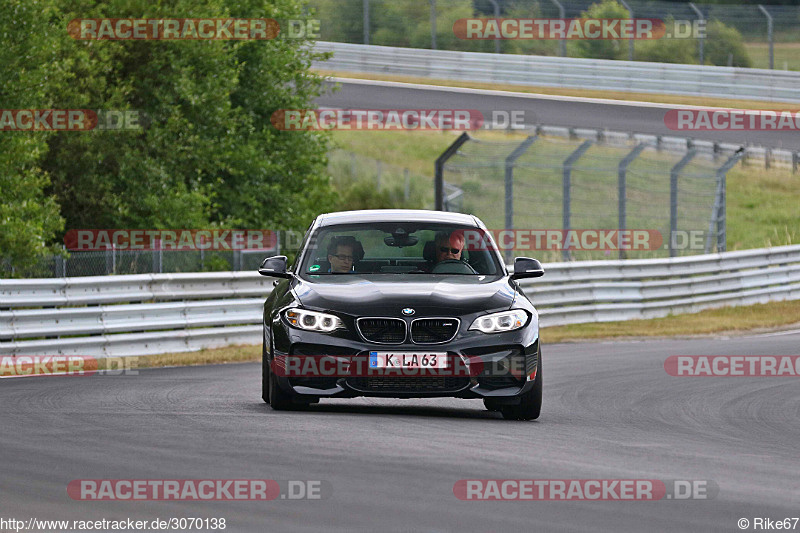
446,250
343,257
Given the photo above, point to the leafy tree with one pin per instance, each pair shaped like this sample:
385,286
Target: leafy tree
601,48
29,218
209,154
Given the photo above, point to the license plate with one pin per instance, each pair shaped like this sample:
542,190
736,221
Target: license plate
407,360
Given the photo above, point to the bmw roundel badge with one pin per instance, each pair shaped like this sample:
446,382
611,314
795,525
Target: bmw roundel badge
408,311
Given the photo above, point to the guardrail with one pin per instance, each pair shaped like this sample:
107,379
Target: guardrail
161,313
566,72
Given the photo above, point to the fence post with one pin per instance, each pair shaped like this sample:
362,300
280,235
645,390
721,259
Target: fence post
366,21
622,188
497,16
438,180
109,260
769,36
701,37
509,200
673,198
566,188
562,44
630,41
61,265
718,212
433,24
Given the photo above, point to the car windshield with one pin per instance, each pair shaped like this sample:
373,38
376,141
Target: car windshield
400,248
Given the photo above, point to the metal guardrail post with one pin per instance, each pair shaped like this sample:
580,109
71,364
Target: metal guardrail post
630,41
622,188
433,24
366,21
718,214
700,39
497,16
562,44
673,198
566,188
769,36
509,203
438,179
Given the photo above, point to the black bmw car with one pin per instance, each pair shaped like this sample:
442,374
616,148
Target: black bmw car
403,304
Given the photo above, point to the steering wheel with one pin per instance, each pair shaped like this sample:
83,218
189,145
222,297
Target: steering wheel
453,266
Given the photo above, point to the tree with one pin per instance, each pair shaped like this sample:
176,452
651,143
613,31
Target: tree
602,48
29,218
209,154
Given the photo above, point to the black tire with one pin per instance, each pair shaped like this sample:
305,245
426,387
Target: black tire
271,393
530,405
490,405
264,373
278,399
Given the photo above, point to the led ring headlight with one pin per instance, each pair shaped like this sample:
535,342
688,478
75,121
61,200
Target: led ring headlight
499,322
313,321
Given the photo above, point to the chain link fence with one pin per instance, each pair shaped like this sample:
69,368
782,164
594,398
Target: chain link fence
420,24
363,183
550,185
114,261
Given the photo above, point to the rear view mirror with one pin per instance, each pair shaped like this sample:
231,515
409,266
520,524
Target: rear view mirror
275,267
525,267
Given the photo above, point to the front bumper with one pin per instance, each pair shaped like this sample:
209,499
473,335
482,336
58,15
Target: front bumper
502,368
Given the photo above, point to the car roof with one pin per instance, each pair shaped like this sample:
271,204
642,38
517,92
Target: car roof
396,215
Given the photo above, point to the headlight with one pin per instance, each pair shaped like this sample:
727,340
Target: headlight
313,321
499,322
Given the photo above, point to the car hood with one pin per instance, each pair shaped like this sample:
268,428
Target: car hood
428,295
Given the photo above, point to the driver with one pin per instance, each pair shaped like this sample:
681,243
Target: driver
343,251
449,245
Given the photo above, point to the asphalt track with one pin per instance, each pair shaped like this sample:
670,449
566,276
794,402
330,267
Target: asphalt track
614,115
610,411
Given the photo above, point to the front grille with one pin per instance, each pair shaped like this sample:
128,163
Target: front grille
409,383
433,330
382,330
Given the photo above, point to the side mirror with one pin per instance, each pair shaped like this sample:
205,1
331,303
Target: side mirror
275,267
525,267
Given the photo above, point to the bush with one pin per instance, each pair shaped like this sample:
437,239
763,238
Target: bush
601,48
722,41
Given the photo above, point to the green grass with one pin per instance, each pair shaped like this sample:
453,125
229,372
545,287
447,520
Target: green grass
762,204
787,55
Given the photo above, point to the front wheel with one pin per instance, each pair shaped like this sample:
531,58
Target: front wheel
278,399
271,392
530,405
